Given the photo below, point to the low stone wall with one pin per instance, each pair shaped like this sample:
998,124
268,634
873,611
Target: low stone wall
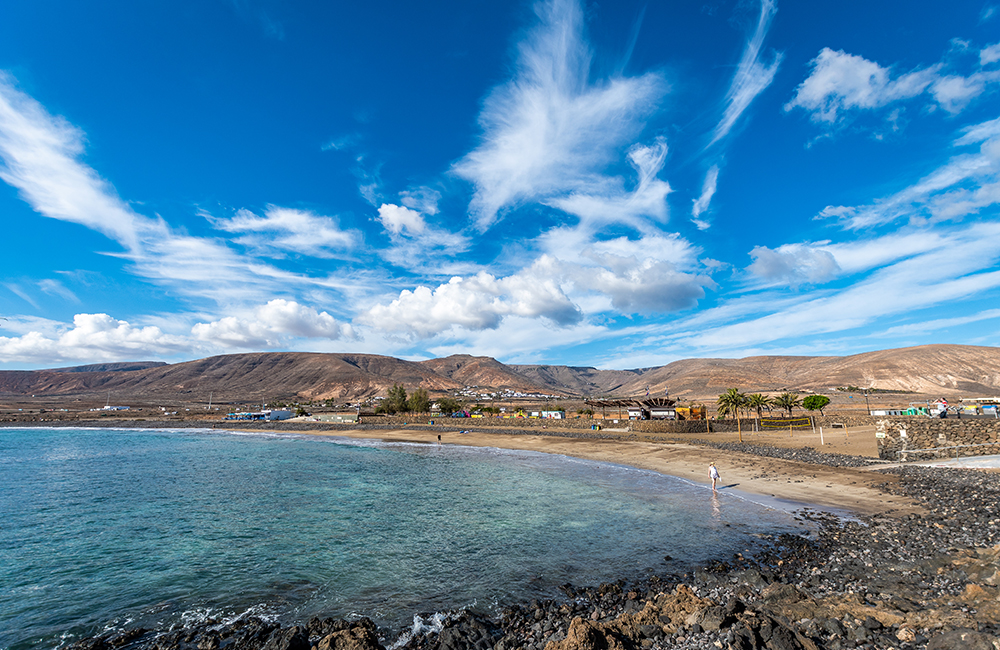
507,423
847,420
930,433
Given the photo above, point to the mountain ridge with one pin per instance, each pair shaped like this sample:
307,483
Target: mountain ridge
944,369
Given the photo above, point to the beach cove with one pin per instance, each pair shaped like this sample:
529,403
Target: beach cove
915,566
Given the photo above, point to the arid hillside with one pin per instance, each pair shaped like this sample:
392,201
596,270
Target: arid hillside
948,370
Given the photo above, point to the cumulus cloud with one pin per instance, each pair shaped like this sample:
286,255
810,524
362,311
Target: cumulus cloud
550,130
793,264
476,303
644,286
841,82
396,219
752,76
93,337
271,325
291,230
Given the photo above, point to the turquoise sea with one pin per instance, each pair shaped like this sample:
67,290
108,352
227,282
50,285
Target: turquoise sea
105,529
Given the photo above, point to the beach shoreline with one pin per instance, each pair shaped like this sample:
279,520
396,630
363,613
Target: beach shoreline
788,484
915,565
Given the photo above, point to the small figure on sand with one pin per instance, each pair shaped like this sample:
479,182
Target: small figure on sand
713,473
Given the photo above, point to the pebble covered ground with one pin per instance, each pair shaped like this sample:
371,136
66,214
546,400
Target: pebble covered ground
926,580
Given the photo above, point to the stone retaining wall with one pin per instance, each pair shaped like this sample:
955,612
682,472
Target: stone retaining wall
927,433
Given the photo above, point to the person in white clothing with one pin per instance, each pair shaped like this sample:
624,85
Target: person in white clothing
713,473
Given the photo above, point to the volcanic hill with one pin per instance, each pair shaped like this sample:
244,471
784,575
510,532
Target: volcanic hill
950,370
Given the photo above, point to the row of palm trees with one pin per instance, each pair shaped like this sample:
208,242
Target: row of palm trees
733,402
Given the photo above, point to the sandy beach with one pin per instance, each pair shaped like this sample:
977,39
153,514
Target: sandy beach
773,481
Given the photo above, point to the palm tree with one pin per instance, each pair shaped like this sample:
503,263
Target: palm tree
787,401
758,403
730,403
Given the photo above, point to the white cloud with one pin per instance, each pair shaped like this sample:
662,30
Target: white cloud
417,245
19,291
957,265
272,325
396,219
550,130
841,82
989,54
57,288
702,202
288,229
752,75
611,203
40,157
93,337
39,154
475,303
955,92
793,264
963,186
421,199
940,323
643,286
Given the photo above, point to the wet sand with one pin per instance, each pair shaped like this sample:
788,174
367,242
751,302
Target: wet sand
774,481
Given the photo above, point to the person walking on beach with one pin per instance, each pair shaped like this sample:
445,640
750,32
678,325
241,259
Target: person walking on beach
713,473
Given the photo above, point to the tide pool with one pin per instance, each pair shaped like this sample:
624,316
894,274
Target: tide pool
108,529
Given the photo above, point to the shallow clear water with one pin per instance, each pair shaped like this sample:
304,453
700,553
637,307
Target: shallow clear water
105,529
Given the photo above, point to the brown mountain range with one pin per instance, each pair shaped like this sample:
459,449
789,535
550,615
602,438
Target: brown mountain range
950,370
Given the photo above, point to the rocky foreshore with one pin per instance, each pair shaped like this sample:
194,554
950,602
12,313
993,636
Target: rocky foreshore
926,580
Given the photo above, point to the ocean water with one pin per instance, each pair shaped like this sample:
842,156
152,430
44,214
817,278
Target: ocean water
104,529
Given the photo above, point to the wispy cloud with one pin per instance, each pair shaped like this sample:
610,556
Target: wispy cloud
752,76
40,157
939,324
701,204
956,265
612,203
418,245
963,186
284,230
57,288
19,291
550,130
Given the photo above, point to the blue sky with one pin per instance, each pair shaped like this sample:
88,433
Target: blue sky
618,185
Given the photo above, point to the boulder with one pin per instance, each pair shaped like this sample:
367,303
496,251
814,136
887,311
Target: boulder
586,635
293,638
964,640
361,636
